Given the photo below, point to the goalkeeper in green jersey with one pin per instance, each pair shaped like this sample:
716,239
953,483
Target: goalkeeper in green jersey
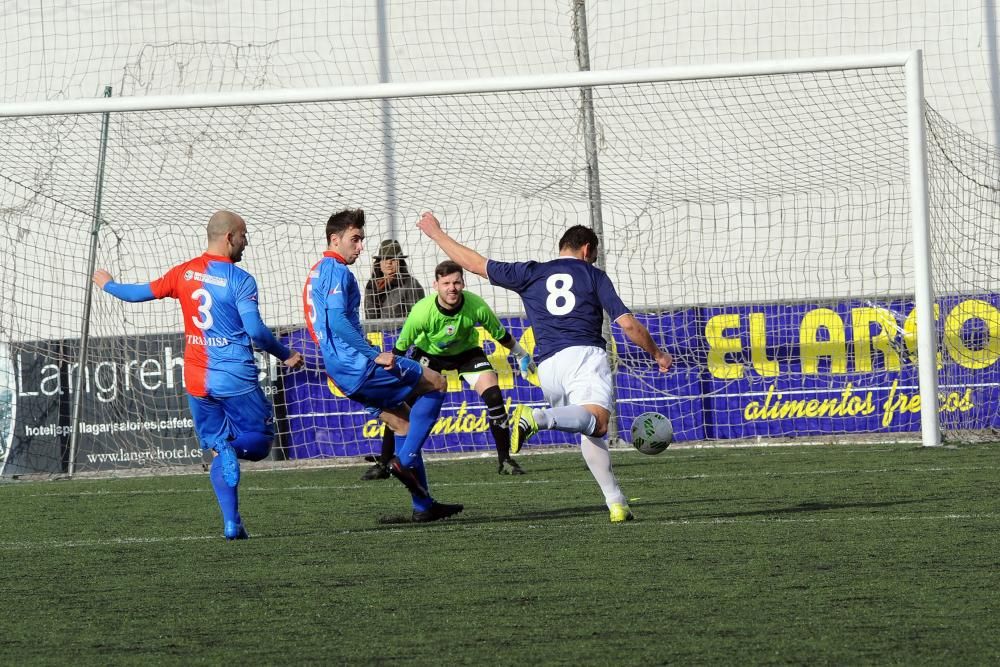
441,328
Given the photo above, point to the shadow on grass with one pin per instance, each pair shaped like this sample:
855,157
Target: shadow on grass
808,507
469,517
599,512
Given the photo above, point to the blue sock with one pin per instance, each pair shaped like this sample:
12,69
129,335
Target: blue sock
228,497
425,411
423,414
417,466
252,446
414,462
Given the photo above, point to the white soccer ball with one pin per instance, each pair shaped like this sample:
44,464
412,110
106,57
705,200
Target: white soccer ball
651,433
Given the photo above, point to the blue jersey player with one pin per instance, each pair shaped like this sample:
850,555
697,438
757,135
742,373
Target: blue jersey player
231,415
565,300
404,394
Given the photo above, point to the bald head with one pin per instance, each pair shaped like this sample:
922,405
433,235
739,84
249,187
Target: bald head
227,235
222,223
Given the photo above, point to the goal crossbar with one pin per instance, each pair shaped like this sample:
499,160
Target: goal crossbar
455,87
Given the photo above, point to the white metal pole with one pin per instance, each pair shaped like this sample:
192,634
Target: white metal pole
994,65
588,116
5,444
95,230
388,143
453,87
922,266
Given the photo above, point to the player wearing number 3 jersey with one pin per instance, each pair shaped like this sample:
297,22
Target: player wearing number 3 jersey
565,300
231,415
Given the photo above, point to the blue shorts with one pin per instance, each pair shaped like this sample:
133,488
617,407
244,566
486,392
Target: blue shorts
385,390
223,419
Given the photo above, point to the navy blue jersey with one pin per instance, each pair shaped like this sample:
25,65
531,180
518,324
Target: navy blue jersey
564,299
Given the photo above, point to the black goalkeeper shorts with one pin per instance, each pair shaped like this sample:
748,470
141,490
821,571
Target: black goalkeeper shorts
467,362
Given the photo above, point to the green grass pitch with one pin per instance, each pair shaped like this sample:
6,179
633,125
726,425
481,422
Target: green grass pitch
841,555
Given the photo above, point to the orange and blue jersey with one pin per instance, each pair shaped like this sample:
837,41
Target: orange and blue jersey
332,300
221,323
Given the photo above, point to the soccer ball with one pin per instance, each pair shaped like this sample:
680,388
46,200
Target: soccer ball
651,433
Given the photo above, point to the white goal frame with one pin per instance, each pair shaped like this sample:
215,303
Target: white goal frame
910,62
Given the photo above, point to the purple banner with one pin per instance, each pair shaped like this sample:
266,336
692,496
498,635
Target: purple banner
765,370
323,423
844,368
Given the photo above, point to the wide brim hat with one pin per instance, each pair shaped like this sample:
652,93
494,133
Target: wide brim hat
390,249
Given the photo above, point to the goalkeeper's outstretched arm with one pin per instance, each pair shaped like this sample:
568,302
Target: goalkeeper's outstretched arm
525,364
467,258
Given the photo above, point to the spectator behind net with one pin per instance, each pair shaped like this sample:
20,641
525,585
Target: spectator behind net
392,291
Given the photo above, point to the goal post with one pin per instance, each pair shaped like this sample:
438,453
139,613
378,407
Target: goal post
733,197
930,430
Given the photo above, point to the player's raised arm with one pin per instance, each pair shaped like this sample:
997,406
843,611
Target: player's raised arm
639,335
132,293
467,258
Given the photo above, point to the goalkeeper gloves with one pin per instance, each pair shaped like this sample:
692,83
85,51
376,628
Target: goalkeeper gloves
525,364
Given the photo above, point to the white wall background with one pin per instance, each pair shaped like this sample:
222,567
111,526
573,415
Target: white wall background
819,242
52,50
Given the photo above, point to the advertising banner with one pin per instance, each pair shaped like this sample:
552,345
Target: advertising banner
749,371
134,412
324,423
845,368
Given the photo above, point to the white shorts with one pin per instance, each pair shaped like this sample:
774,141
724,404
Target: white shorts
578,375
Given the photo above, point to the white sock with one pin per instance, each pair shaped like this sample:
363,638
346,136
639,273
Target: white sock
595,453
569,418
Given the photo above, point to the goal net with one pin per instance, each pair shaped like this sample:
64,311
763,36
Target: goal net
965,209
759,225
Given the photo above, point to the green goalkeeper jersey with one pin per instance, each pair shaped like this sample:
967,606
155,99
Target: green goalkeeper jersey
442,332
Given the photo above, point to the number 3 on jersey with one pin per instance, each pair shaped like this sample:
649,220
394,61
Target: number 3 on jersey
560,300
204,308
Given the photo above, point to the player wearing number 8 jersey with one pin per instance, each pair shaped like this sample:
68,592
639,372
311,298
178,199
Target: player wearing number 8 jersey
565,300
231,415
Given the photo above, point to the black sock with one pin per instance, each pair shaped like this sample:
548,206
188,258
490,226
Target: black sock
496,415
388,445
